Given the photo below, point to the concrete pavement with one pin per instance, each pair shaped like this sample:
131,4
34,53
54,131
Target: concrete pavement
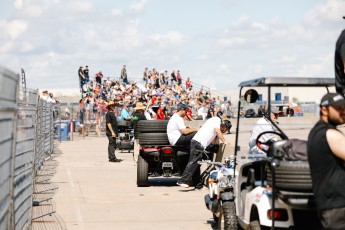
96,194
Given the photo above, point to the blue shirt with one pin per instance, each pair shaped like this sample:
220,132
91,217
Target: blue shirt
124,114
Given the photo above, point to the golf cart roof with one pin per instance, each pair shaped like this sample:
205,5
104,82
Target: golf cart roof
289,81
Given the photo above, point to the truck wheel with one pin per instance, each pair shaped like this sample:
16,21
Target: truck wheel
292,176
142,172
227,218
152,126
153,139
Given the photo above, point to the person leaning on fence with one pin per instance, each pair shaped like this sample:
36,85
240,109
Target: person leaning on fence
137,116
111,132
326,156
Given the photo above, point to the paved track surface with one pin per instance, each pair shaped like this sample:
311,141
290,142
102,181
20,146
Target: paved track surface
95,194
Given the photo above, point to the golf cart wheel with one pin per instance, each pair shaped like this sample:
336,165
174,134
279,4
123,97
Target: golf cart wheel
142,172
153,139
152,126
227,218
292,176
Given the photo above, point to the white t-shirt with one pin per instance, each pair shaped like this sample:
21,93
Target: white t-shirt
262,125
207,132
174,127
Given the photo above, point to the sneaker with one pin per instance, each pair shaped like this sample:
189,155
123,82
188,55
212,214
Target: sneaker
115,160
182,184
199,186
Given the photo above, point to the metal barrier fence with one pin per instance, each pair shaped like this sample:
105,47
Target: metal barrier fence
8,113
26,142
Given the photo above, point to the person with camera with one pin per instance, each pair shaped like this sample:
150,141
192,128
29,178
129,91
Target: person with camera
111,132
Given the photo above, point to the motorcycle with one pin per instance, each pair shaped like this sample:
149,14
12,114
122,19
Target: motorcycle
220,200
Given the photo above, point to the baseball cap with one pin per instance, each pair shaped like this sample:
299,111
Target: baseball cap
332,99
181,106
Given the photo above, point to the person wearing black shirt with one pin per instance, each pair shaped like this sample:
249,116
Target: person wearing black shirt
326,156
290,112
81,77
111,132
137,116
86,74
339,63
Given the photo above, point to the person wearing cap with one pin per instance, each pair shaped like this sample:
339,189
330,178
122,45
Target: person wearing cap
111,131
178,133
137,116
263,125
210,132
326,156
339,63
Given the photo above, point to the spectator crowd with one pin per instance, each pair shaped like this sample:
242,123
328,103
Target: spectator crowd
160,92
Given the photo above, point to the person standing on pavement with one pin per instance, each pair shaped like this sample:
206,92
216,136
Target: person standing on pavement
178,133
339,63
210,132
111,132
326,156
137,116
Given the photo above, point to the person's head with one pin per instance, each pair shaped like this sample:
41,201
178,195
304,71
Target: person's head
182,109
139,107
225,126
274,113
332,109
111,106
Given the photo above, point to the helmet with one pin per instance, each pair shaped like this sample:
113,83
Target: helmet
220,114
227,124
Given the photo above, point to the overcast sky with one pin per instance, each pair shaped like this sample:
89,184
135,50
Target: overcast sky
218,43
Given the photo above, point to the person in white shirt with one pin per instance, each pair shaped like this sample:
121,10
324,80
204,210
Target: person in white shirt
262,125
178,133
210,132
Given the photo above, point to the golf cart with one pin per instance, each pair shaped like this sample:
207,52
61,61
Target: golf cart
275,189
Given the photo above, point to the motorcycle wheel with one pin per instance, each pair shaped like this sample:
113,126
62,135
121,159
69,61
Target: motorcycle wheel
227,218
142,172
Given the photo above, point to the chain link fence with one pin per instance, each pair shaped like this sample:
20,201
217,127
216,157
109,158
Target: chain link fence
26,146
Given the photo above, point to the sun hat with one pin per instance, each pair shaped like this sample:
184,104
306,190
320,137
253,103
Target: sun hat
332,99
110,103
274,110
139,106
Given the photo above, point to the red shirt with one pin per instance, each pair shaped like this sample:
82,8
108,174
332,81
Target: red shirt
160,114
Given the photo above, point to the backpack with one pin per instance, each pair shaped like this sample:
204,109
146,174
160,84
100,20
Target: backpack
293,150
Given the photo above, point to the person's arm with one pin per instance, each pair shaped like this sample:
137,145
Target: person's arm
336,141
111,130
187,131
220,135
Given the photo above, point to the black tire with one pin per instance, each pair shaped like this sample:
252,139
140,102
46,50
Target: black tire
153,139
142,172
292,176
152,126
227,218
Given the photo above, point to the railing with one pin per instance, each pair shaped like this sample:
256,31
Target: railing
26,145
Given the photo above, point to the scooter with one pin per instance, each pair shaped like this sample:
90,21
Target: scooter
220,200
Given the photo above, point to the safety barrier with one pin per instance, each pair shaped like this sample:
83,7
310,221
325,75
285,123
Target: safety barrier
26,143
